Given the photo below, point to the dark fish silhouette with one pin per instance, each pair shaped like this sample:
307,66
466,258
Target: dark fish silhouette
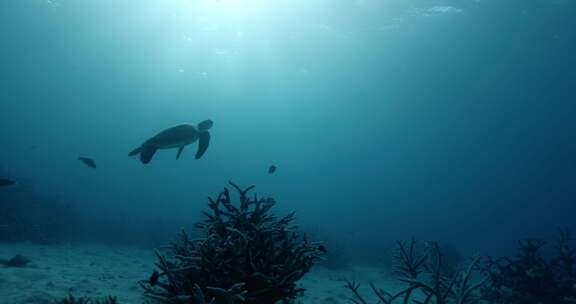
6,182
322,248
88,162
272,169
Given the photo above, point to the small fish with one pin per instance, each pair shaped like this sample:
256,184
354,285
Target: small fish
6,182
272,169
88,162
154,278
322,248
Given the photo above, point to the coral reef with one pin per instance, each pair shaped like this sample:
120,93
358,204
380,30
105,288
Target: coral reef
427,279
532,277
70,299
16,261
244,255
26,215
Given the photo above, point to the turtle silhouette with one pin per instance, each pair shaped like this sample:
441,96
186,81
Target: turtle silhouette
176,137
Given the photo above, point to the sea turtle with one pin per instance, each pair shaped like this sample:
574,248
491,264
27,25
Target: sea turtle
176,137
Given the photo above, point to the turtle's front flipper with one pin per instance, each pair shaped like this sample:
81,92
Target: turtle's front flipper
180,152
203,142
135,151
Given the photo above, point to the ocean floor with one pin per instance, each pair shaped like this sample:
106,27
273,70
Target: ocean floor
97,271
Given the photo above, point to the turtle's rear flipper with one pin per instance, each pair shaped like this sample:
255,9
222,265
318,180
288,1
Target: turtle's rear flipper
203,143
146,154
135,151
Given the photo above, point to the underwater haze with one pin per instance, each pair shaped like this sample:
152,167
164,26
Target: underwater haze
444,120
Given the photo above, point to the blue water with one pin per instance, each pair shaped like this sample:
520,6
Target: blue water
443,120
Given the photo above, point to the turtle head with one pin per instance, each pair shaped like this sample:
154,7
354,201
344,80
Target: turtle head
205,125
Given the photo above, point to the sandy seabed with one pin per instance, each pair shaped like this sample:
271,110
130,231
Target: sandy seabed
97,271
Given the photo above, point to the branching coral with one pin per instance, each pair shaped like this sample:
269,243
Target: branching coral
244,255
70,299
530,277
427,281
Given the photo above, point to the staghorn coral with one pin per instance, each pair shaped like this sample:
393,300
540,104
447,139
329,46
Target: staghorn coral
427,279
70,299
244,255
532,277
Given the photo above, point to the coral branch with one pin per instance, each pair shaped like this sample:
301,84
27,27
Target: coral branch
245,255
423,271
